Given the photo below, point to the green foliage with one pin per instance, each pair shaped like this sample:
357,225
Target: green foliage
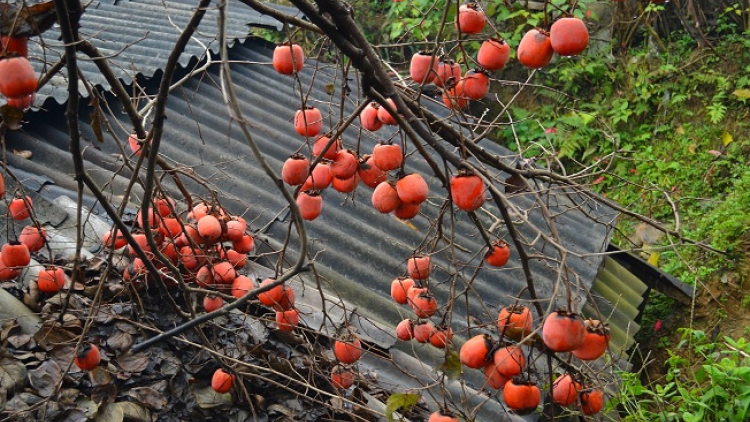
713,387
400,403
674,129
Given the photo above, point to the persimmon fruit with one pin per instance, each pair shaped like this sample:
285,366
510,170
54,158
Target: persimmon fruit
423,67
467,191
522,397
348,349
20,208
535,49
222,381
342,377
470,18
308,121
475,352
563,331
295,170
493,54
88,357
387,156
51,280
569,36
288,58
498,254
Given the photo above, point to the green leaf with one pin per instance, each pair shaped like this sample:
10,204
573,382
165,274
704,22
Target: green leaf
451,367
400,402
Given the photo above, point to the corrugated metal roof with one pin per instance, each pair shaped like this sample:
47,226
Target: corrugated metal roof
139,35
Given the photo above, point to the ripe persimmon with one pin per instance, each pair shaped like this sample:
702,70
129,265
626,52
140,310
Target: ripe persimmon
412,189
476,84
565,390
509,361
191,257
136,145
424,305
467,190
385,116
493,54
310,204
442,415
7,273
423,67
387,156
245,245
447,71
415,291
50,280
406,211
370,174
273,296
595,341
19,78
441,336
453,95
346,185
419,266
522,396
224,272
88,357
241,285
344,164
569,36
287,299
498,254
342,377
209,229
535,49
422,330
515,321
470,18
475,353
20,208
319,147
493,378
319,179
563,331
592,400
287,320
164,205
369,117
222,381
236,227
295,170
308,121
212,303
399,287
204,277
348,349
33,237
385,198
15,254
405,330
18,44
288,58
